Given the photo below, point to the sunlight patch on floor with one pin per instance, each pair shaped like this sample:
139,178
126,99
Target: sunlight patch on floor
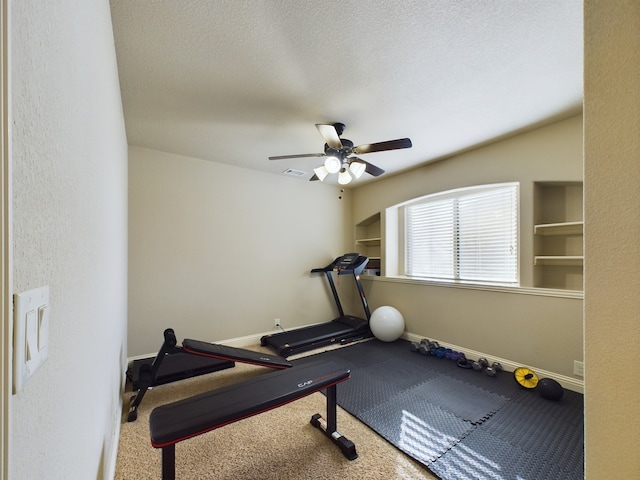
420,439
426,443
477,466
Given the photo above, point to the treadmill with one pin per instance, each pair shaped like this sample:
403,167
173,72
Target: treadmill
343,329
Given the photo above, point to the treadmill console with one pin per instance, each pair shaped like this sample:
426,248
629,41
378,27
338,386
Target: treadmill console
349,263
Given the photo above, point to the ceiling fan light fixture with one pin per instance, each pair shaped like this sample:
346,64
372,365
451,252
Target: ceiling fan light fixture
337,153
344,177
321,172
332,164
357,168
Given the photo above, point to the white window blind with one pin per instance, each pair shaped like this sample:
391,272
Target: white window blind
468,235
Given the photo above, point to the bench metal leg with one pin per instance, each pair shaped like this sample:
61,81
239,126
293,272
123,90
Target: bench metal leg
329,427
332,410
148,373
169,462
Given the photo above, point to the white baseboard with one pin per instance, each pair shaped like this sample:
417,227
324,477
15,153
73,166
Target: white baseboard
113,455
569,383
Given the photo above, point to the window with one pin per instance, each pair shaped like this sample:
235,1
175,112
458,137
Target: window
468,235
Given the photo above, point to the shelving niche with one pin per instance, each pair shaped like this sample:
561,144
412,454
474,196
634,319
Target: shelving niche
558,232
368,241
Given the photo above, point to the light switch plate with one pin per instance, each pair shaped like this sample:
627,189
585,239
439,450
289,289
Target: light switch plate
30,333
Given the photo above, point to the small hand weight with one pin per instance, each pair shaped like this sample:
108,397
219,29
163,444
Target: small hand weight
480,364
493,370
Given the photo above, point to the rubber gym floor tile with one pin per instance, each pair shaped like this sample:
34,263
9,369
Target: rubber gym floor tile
503,383
399,372
534,431
372,385
481,455
570,408
460,398
357,355
419,428
369,353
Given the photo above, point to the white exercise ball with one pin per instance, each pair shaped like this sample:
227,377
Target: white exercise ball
386,323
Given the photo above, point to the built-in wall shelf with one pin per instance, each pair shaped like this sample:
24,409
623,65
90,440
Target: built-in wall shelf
368,242
565,260
563,228
558,235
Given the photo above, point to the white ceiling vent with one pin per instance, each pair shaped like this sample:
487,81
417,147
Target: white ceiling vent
294,172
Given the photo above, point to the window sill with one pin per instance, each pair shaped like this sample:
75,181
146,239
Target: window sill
545,292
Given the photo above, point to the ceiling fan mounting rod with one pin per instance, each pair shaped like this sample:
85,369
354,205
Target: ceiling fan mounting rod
341,153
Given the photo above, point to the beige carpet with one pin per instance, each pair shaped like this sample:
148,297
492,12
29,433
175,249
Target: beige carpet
276,445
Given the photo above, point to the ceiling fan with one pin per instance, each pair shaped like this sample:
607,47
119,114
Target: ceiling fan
340,155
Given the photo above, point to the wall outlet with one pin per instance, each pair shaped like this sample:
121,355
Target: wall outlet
578,368
276,323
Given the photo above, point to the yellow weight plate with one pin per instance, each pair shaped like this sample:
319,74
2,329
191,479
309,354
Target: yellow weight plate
526,377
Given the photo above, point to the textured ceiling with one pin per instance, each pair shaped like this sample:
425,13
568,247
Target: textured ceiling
237,81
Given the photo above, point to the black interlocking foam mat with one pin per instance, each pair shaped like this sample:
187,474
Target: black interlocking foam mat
459,423
464,400
419,428
376,383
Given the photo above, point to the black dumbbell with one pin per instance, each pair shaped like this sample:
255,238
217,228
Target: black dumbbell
462,361
493,370
480,364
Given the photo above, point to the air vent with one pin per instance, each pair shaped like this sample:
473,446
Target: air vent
294,172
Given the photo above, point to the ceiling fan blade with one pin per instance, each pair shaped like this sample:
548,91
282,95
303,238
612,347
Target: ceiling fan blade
330,135
383,146
302,155
371,169
314,178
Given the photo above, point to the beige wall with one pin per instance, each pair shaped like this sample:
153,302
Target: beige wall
218,252
528,329
612,240
549,153
539,331
69,226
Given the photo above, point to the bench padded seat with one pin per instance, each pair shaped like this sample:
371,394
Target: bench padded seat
178,421
225,352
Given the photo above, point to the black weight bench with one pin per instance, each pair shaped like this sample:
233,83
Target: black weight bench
184,419
193,358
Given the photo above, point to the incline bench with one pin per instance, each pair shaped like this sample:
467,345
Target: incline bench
148,374
178,421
